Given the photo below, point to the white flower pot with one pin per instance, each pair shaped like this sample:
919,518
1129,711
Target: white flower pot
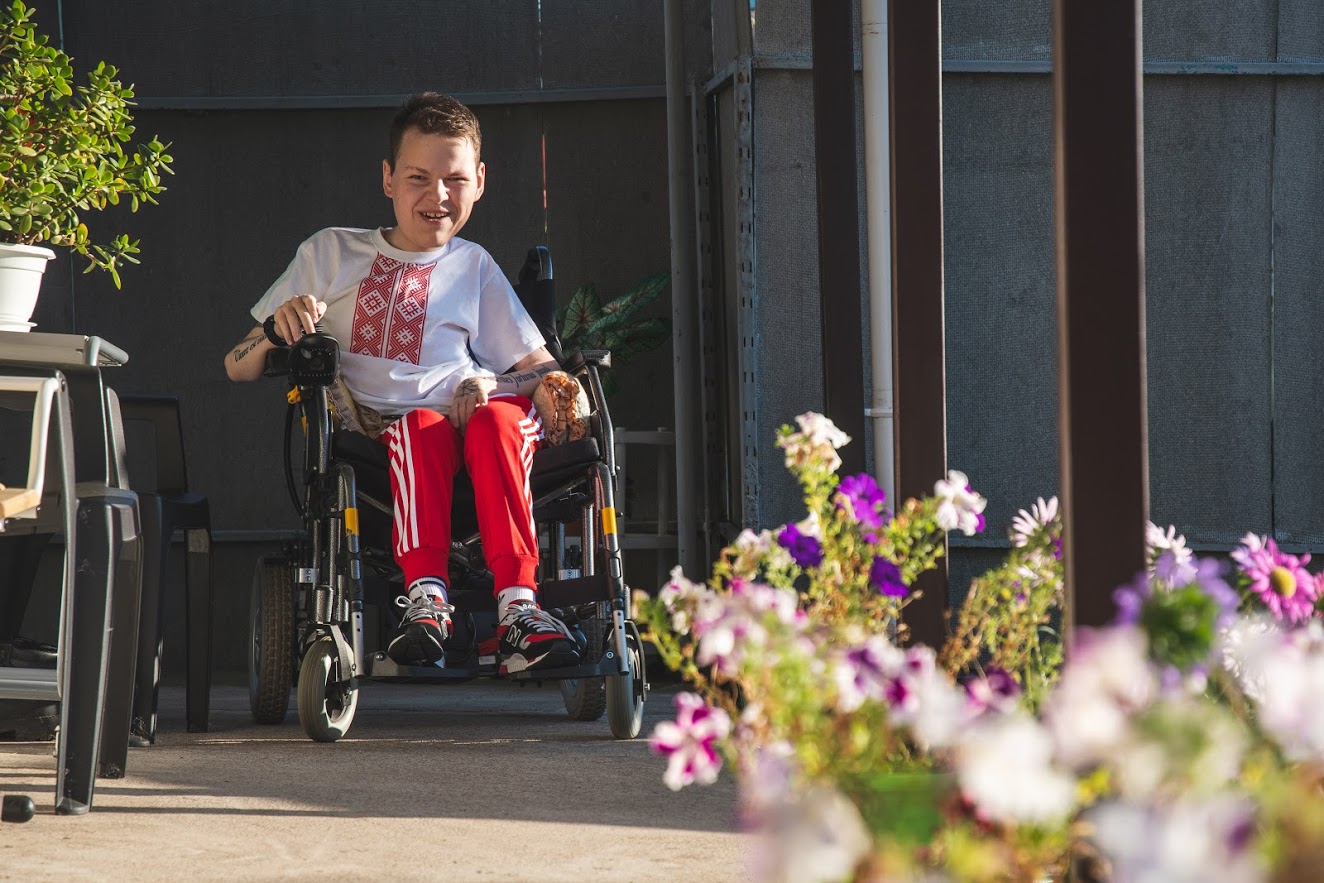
21,267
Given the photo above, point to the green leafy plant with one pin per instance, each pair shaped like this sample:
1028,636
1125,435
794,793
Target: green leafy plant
586,323
66,148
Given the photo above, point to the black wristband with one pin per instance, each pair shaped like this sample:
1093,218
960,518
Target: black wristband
269,329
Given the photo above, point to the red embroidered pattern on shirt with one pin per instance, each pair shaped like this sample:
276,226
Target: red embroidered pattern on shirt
389,313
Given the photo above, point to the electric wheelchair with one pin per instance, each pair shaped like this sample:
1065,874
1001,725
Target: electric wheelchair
308,605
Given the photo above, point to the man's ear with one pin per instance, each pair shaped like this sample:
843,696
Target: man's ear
482,181
386,179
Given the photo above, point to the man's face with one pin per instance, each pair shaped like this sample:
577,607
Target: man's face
434,186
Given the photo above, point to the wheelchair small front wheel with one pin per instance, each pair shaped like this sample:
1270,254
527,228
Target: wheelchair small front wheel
625,694
326,702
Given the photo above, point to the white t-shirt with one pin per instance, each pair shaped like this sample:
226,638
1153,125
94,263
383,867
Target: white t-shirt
411,325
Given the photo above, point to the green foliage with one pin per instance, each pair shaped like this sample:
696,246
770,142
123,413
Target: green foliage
63,147
586,323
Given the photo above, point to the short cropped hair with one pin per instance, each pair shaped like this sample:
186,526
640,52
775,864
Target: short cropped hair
435,114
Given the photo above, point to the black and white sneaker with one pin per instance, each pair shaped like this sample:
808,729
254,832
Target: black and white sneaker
424,628
531,638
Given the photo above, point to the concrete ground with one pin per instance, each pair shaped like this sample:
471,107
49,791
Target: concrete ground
483,781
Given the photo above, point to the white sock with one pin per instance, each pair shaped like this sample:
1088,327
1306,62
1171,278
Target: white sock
428,587
514,595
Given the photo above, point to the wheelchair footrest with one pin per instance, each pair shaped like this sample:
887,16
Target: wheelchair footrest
605,668
381,666
573,592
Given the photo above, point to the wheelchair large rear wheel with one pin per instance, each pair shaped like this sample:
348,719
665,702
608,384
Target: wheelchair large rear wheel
625,693
326,702
271,641
585,698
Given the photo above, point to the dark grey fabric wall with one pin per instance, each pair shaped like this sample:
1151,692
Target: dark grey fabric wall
1232,167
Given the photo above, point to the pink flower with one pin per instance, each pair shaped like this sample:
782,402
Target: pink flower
688,743
1279,580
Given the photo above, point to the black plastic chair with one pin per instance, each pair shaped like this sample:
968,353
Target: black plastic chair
165,508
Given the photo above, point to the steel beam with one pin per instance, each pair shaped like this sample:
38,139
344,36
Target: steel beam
915,50
838,224
1100,300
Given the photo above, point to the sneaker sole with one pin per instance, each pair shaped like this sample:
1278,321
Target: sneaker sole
415,647
556,658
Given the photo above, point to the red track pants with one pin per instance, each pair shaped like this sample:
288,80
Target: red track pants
497,449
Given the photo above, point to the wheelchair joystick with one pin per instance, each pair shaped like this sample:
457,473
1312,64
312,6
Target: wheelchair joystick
314,359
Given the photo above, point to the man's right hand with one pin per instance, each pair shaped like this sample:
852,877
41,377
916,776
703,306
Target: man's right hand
298,316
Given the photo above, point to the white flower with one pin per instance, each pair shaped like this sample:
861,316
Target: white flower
1027,524
1004,765
1250,544
681,597
1207,841
814,837
1245,646
864,672
753,550
688,743
1167,555
959,507
815,444
1286,669
1106,680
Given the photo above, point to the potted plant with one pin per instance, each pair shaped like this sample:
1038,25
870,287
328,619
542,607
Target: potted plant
64,149
587,323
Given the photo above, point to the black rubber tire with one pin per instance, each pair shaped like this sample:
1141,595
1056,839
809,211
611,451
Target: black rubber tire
271,641
324,719
586,698
625,694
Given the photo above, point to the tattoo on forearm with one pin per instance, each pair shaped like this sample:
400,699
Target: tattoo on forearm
247,346
516,379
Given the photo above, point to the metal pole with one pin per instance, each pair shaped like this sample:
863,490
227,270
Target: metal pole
915,51
838,223
684,323
1100,300
878,211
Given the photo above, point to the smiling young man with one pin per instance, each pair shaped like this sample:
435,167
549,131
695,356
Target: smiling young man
435,342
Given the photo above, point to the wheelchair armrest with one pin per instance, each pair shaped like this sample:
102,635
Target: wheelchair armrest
580,358
278,362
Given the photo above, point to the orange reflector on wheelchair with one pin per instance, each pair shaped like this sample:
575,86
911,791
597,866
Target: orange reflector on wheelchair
352,521
608,521
293,396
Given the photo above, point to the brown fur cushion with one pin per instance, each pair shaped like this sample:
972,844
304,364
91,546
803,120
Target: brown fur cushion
563,407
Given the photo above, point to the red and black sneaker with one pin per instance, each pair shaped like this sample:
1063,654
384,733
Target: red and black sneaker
424,628
531,638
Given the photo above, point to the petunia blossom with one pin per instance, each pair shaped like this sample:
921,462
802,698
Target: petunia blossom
860,497
959,506
689,742
806,550
885,577
815,445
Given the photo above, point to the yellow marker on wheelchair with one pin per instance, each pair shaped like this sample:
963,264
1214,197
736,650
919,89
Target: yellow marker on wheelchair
293,396
352,521
608,521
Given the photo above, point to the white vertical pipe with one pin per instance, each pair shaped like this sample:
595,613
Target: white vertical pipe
684,319
878,212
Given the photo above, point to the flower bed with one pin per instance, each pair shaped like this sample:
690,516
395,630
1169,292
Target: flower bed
1181,743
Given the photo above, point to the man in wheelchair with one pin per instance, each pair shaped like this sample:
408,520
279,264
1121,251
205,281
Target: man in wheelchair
441,361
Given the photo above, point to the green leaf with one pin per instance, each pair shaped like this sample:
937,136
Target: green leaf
580,312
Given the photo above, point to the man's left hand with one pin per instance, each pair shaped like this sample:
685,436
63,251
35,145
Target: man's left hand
470,395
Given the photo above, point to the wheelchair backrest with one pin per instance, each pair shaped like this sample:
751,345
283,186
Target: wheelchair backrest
538,294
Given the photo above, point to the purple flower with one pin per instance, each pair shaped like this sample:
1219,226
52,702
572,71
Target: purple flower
688,742
997,689
860,497
805,550
885,577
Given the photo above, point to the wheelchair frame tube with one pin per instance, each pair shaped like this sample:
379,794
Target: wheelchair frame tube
611,547
350,584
